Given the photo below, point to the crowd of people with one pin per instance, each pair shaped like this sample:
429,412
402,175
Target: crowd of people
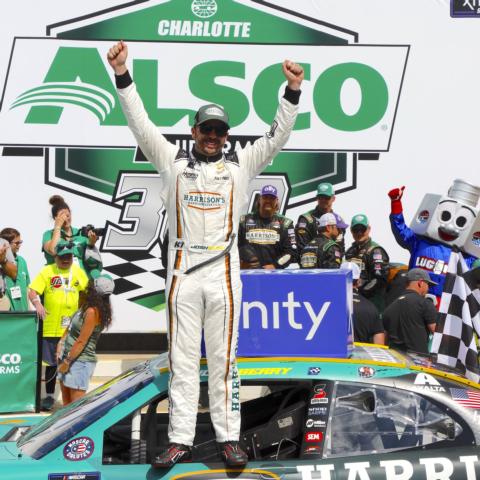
391,305
69,294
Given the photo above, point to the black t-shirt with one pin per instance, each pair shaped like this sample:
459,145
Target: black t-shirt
406,321
396,287
366,319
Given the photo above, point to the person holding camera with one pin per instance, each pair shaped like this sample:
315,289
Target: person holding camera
85,253
60,284
76,351
8,268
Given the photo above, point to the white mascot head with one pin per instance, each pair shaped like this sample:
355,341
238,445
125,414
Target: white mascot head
452,219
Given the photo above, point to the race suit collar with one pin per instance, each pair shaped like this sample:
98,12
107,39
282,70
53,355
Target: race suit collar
204,158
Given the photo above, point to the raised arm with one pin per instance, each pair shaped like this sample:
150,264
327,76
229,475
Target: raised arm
153,144
257,156
404,236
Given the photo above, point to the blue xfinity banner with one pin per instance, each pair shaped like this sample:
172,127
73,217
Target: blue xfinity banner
296,313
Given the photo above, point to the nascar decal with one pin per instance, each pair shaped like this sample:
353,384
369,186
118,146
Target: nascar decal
366,372
263,236
314,437
79,448
320,394
204,200
75,476
311,423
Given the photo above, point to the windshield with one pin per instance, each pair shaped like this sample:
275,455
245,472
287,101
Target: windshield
68,421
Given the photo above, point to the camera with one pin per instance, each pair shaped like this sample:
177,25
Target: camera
99,232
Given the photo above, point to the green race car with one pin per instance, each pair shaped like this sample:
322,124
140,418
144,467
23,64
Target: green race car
376,415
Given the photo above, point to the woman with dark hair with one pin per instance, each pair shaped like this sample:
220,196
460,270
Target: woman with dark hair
84,249
77,348
17,289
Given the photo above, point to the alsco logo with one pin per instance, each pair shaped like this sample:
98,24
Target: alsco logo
348,101
227,52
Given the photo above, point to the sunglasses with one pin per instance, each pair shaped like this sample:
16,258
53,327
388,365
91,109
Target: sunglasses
220,130
16,243
359,229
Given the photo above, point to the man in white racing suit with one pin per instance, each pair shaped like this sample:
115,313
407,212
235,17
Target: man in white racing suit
204,192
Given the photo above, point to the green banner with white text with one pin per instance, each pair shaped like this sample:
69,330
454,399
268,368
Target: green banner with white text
18,361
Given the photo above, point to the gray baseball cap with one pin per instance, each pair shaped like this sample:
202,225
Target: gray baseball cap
103,283
418,274
211,112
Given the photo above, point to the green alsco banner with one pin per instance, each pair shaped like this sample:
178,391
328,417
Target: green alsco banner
18,361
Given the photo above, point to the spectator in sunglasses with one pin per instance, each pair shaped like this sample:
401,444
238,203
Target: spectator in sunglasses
204,190
17,288
371,258
60,284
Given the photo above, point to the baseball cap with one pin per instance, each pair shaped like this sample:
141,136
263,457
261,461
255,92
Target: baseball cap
419,274
353,267
340,222
64,248
103,283
269,190
211,112
325,189
327,219
359,219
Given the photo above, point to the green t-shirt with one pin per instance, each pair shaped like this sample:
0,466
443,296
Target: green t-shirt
60,289
17,290
79,244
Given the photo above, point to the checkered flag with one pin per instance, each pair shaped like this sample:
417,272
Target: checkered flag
454,339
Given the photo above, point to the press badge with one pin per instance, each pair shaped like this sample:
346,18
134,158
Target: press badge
16,292
65,321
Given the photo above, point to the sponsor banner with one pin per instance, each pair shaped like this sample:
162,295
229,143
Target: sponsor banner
18,361
348,100
296,313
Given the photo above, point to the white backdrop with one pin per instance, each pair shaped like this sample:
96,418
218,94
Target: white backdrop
435,138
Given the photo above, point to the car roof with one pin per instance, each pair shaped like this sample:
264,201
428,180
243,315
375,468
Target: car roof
385,362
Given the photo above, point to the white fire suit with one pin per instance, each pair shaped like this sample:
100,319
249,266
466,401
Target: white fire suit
204,201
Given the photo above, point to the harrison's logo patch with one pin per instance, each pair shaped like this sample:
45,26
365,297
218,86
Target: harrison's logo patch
204,200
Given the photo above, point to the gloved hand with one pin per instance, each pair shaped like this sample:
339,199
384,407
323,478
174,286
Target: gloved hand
396,198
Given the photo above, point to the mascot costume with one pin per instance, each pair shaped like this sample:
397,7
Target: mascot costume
441,224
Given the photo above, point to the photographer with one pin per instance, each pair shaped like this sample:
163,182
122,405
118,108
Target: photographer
83,239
